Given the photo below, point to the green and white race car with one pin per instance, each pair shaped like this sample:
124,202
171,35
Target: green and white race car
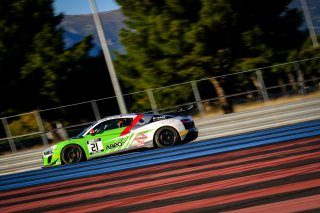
122,133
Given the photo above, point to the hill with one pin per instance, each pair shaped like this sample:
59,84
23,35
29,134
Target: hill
78,26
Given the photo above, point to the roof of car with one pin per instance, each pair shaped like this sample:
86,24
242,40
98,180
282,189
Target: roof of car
131,115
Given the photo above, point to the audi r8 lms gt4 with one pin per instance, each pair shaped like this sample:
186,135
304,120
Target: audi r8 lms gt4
122,133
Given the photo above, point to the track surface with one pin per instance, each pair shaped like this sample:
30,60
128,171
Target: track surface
272,170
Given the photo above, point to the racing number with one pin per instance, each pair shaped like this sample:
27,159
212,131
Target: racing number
95,146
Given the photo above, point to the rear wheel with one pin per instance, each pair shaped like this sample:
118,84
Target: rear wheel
166,136
71,154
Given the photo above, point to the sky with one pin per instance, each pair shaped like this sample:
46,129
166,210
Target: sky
75,7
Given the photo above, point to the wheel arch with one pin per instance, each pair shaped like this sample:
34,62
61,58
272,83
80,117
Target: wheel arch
166,126
84,155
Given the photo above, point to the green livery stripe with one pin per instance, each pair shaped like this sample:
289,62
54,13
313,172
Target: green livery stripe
132,134
129,141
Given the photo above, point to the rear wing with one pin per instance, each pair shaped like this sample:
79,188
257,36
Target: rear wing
190,109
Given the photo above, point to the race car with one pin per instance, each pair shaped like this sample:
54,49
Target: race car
122,133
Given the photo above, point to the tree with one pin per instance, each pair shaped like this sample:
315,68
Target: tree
308,68
33,60
306,51
154,43
173,41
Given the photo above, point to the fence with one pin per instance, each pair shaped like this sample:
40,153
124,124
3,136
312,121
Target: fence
29,129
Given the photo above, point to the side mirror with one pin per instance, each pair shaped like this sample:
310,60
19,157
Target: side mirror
92,132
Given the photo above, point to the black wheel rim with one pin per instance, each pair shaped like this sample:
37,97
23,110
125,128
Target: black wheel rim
72,155
166,138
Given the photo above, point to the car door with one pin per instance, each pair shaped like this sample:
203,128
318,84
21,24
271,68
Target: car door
105,138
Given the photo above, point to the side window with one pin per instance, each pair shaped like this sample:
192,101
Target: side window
119,123
127,122
112,124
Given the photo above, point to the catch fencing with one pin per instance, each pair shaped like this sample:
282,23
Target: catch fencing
47,126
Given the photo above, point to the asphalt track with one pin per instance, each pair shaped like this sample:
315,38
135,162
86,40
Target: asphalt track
271,170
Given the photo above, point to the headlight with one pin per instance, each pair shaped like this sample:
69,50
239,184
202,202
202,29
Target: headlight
50,150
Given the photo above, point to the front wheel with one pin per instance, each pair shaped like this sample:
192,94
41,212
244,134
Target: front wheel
71,154
166,136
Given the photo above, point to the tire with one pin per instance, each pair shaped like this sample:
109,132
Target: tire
71,154
166,137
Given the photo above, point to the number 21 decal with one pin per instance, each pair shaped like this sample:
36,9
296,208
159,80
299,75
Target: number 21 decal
95,146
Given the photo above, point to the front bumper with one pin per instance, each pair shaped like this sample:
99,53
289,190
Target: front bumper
52,159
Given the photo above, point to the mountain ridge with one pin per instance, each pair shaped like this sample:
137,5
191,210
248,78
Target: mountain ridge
78,26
